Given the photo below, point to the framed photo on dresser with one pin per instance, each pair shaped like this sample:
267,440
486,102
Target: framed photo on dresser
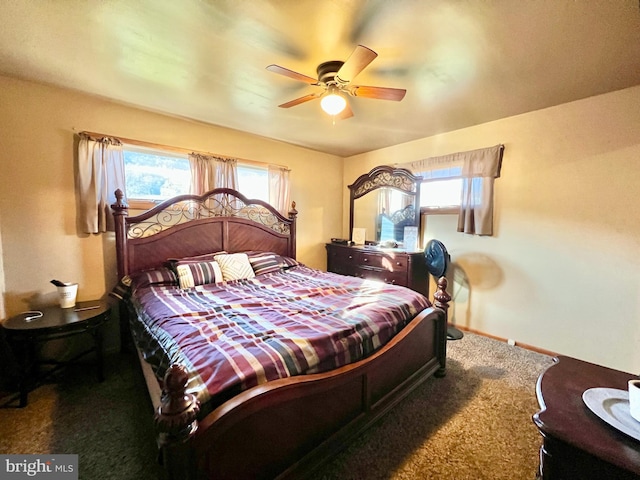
358,236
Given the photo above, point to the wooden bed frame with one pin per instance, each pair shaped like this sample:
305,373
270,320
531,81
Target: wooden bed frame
285,428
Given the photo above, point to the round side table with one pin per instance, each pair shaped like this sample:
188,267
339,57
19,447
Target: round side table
26,331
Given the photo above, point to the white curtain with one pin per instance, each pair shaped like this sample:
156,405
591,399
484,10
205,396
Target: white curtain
209,172
384,201
100,173
279,191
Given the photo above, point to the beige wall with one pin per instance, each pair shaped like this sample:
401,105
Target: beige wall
40,240
2,309
562,271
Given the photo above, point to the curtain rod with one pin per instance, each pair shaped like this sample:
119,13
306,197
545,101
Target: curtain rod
141,143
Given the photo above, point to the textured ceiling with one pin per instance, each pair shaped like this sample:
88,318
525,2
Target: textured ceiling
462,62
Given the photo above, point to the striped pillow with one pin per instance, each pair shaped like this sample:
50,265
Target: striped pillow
283,261
191,274
146,278
157,276
266,262
173,262
235,266
289,262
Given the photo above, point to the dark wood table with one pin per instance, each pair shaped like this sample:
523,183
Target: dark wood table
577,444
27,331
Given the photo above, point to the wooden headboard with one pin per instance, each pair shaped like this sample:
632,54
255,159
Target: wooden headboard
189,225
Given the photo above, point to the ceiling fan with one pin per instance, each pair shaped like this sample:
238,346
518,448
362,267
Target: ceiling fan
335,78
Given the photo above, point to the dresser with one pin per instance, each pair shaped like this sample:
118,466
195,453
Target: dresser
395,266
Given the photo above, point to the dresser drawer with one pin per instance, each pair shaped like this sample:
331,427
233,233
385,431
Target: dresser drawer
394,278
340,260
390,262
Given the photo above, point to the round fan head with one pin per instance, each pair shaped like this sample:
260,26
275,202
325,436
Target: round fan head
437,258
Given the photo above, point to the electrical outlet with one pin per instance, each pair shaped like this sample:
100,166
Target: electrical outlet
511,342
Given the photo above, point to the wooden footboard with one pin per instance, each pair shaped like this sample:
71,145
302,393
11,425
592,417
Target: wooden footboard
288,428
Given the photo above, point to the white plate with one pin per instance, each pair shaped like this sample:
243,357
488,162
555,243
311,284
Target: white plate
612,406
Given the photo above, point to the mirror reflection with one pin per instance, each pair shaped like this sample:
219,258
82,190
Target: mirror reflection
384,213
384,204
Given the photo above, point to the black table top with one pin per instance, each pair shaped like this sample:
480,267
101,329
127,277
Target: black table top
55,318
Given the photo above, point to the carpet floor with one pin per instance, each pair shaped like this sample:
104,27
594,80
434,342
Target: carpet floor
474,424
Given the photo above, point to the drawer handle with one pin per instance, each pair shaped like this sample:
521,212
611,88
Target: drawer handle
350,257
366,259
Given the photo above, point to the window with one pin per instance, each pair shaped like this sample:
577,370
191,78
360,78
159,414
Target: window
253,182
441,195
441,190
152,176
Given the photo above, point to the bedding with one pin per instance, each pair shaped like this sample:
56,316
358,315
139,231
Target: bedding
284,319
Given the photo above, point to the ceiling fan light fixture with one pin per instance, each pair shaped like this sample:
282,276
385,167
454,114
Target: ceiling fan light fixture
333,103
335,77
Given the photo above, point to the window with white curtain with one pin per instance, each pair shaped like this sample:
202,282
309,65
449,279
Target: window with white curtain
148,174
153,175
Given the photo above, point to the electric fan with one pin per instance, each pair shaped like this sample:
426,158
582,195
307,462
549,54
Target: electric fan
438,260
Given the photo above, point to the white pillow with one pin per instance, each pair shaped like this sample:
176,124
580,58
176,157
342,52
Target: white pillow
235,266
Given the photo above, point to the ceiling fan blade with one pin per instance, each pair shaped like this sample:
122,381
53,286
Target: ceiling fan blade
291,74
380,93
357,61
300,100
346,113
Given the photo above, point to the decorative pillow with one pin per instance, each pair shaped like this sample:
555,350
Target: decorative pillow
145,278
289,262
264,262
123,288
157,276
192,273
206,257
283,261
235,266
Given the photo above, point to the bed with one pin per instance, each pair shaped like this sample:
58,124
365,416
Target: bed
219,420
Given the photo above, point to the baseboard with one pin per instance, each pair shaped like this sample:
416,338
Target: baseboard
533,348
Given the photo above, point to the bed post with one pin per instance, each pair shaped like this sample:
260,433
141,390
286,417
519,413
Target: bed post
176,423
441,300
292,237
120,211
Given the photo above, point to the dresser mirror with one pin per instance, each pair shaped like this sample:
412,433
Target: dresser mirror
383,202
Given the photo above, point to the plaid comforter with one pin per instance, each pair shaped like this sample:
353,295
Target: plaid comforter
235,335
